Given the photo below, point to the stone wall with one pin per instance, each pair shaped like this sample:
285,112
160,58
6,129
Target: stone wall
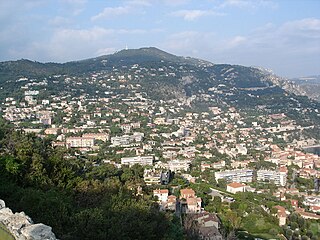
22,227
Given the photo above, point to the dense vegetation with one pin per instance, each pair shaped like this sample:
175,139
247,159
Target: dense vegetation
77,200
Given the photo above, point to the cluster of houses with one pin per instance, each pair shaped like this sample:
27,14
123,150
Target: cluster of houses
208,224
184,139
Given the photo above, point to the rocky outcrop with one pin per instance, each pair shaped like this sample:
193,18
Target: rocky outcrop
22,227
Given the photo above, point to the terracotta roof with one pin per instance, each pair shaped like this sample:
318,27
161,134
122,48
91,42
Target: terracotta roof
193,201
283,169
280,208
172,199
187,191
236,185
311,215
161,191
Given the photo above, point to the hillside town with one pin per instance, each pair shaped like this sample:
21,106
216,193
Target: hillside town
223,149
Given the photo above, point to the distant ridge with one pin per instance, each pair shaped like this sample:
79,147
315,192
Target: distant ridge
200,74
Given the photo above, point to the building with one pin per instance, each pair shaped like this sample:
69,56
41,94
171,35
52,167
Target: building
141,160
236,187
175,165
187,192
51,131
165,177
238,175
162,194
178,165
277,177
193,205
190,202
152,176
127,140
79,142
281,215
171,202
207,226
97,136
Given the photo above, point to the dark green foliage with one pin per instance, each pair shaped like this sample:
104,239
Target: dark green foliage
78,202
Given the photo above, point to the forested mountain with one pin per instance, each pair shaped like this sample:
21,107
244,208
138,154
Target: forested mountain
161,75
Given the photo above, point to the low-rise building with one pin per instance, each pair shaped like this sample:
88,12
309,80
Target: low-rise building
162,194
281,215
141,160
152,176
277,177
97,136
236,187
193,205
238,175
79,142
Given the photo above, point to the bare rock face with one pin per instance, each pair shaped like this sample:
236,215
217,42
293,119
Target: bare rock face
21,226
38,232
2,204
5,213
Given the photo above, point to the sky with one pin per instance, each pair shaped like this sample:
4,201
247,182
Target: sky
280,35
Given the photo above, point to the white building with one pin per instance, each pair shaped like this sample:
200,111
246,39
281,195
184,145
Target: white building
152,176
238,175
142,160
162,194
126,140
236,187
176,165
277,177
79,142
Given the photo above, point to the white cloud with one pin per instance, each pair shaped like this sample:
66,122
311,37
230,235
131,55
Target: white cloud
190,15
67,44
308,27
175,2
139,3
248,4
271,46
236,41
129,7
59,21
110,12
76,6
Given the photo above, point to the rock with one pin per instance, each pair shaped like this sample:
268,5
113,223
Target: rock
21,226
17,221
5,213
2,204
38,232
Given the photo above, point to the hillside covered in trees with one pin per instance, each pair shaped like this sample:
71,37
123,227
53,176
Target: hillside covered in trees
77,200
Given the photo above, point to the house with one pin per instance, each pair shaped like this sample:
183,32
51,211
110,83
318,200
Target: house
207,219
281,215
206,226
308,215
277,177
152,176
171,202
162,194
238,175
51,131
193,205
79,142
141,160
97,136
236,187
187,192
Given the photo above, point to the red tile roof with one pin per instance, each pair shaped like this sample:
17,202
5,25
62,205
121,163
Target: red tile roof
236,185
